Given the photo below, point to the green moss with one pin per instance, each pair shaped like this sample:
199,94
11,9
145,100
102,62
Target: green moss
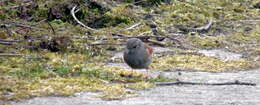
161,78
119,91
117,74
81,67
224,40
41,13
139,85
21,89
198,63
245,37
116,92
64,74
197,13
207,42
118,15
43,84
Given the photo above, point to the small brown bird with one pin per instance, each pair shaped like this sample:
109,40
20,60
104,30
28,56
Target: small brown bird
137,54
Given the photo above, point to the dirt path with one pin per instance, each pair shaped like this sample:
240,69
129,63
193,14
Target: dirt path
177,95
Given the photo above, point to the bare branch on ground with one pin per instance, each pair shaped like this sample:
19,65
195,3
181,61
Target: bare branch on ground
10,54
52,28
79,22
195,83
133,26
7,25
199,29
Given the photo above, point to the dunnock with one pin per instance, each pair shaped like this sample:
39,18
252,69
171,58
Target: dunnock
137,54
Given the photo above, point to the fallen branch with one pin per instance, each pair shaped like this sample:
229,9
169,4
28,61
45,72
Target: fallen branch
199,29
156,43
122,36
51,28
133,26
40,22
105,44
3,40
20,25
204,28
147,32
27,26
147,37
76,19
11,55
6,43
22,55
249,20
144,38
193,83
140,37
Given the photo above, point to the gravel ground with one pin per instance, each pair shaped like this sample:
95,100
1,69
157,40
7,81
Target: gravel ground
177,95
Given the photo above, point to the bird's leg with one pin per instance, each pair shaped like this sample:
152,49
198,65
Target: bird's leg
147,74
132,72
147,71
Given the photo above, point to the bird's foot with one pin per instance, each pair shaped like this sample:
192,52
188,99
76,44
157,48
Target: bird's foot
146,77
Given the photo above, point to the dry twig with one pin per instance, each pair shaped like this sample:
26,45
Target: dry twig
20,25
8,42
52,28
3,40
76,19
146,37
199,29
133,26
11,55
194,83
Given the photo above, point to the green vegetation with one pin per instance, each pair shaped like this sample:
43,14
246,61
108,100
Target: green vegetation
60,57
199,63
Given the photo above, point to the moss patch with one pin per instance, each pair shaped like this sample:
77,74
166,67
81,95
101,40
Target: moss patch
80,66
207,42
232,40
17,89
198,63
63,74
119,91
13,88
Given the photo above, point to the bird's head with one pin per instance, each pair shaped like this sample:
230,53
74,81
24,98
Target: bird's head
133,44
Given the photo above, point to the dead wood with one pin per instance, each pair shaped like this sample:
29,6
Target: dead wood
3,40
77,20
105,44
194,83
7,25
204,28
27,57
52,28
156,43
133,26
11,55
5,43
123,36
8,42
147,37
43,20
